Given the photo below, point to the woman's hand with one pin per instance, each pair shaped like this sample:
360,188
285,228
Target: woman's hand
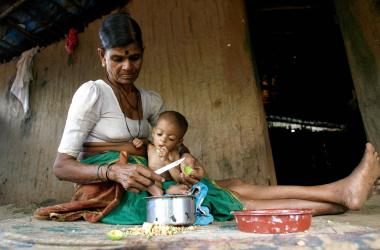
196,175
133,177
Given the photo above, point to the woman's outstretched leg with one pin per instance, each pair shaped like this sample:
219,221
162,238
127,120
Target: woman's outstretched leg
350,192
317,208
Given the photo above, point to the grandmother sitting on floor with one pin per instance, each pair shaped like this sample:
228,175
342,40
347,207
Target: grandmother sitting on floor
109,114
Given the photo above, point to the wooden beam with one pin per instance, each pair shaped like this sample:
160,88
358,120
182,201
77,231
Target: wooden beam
11,8
359,24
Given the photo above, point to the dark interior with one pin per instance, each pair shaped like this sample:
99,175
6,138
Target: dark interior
25,24
314,122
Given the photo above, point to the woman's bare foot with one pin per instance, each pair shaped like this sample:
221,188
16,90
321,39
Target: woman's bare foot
358,186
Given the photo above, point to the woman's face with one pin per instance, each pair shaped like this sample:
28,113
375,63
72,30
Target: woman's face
123,64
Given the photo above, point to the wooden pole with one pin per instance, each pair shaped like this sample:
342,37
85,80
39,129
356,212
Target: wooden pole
360,27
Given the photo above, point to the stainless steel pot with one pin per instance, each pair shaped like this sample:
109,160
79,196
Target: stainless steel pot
178,210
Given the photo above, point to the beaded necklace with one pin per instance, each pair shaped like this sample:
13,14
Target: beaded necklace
137,108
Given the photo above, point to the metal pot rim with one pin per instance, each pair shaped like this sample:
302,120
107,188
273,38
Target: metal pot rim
170,196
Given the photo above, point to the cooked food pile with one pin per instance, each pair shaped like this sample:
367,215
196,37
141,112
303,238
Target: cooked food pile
149,230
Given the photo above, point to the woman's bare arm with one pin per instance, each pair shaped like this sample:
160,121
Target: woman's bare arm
134,177
67,168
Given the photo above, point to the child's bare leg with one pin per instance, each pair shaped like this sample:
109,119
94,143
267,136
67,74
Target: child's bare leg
350,192
318,208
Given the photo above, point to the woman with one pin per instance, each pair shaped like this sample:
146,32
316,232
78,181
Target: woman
105,112
108,114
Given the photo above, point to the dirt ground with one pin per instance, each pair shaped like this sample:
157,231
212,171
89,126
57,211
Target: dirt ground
352,230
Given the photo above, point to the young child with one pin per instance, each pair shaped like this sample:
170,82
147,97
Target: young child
167,141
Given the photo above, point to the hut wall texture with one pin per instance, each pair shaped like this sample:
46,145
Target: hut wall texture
197,56
360,24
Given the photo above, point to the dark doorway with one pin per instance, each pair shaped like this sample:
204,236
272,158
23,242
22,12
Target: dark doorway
315,126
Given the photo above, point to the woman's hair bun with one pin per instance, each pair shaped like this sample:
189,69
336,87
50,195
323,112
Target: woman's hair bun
118,30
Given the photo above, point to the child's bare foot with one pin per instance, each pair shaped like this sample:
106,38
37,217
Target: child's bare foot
155,190
358,186
178,189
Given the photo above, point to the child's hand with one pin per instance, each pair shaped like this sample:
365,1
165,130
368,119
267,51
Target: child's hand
197,172
178,189
163,153
137,143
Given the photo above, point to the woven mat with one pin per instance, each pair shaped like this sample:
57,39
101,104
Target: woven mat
26,232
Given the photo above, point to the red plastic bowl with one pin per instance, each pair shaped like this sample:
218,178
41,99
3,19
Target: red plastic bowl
273,221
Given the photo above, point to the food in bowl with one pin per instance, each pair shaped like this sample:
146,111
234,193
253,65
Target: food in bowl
273,221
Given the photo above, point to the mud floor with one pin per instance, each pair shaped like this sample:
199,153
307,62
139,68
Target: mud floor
352,230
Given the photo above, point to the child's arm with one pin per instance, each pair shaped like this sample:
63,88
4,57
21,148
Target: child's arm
139,142
116,146
175,174
198,172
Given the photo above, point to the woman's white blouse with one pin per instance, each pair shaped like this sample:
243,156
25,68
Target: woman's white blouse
95,116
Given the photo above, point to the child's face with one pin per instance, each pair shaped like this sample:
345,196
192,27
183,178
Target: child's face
166,135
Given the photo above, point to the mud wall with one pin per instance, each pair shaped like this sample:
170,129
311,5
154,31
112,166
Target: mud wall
197,56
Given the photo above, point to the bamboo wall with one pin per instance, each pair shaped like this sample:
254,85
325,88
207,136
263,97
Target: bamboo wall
360,24
197,57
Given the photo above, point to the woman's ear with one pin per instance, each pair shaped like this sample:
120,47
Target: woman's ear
101,53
